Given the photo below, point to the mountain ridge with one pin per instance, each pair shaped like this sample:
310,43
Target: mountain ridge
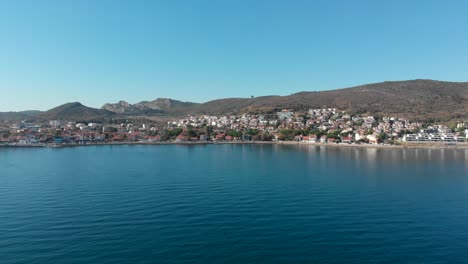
423,100
157,106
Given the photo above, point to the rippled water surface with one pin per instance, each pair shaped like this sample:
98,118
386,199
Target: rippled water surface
233,204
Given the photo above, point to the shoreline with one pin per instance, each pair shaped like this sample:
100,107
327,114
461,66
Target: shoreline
430,145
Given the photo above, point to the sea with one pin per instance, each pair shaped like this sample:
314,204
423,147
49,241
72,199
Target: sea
233,203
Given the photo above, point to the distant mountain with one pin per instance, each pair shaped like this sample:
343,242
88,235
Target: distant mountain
159,106
419,100
121,107
18,115
75,111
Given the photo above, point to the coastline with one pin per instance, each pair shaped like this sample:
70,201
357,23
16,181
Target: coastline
429,145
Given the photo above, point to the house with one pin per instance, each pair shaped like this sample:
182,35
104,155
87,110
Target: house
181,138
28,139
359,136
99,138
220,137
323,139
117,138
12,139
285,114
156,138
410,138
331,140
229,138
346,139
132,138
372,139
22,140
313,138
448,137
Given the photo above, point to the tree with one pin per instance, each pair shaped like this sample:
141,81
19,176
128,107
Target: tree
237,134
175,132
334,134
165,135
252,132
6,134
170,134
288,134
209,130
192,133
316,132
382,137
267,136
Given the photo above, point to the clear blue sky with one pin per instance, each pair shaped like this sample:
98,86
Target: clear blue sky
52,52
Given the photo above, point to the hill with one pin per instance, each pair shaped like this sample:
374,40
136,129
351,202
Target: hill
18,115
160,106
418,100
75,111
423,100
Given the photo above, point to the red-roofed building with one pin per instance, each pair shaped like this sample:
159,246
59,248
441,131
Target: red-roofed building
313,138
117,138
346,139
220,136
156,138
181,138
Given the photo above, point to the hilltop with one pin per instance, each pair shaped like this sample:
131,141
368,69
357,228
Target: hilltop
74,111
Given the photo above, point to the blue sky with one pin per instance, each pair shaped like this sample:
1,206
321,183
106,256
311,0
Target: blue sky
52,52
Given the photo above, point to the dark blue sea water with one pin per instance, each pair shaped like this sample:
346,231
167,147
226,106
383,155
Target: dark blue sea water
233,204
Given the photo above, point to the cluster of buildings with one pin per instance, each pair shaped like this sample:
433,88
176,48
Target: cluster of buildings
438,134
325,125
